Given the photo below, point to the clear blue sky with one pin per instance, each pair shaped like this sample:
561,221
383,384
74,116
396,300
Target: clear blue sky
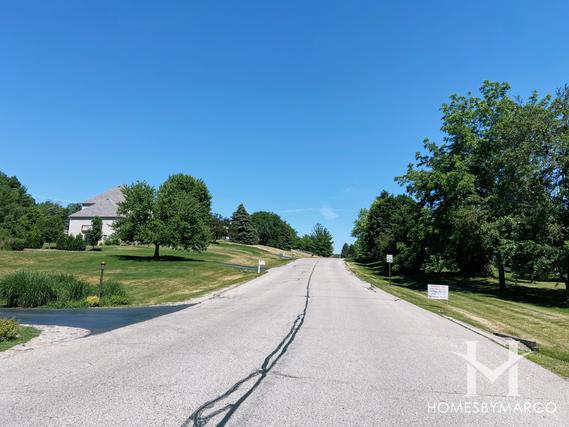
305,108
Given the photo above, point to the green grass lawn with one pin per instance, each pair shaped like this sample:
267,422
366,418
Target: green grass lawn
26,333
533,311
177,276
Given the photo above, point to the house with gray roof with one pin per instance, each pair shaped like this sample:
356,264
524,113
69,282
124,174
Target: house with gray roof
104,205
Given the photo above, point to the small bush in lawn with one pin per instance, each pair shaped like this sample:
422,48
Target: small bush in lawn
8,329
34,241
16,244
112,240
70,243
92,301
79,244
61,242
112,288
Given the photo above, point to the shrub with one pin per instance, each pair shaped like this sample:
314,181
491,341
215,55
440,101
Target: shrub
68,287
34,288
92,301
79,243
34,241
16,244
112,288
70,243
8,329
115,300
26,289
61,242
112,240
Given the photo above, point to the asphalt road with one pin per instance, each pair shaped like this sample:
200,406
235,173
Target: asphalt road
97,320
305,344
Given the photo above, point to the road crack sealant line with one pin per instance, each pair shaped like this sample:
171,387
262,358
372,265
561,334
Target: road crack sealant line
201,418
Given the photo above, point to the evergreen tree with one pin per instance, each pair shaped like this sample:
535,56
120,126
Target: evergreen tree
242,228
322,243
95,233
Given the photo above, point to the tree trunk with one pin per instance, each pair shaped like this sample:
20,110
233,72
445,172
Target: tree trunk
501,272
157,251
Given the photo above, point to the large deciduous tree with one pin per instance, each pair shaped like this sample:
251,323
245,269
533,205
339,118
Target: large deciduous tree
177,215
219,226
487,177
559,226
359,231
395,225
272,230
55,216
137,222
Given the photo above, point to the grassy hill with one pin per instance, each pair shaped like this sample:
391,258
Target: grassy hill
534,311
177,276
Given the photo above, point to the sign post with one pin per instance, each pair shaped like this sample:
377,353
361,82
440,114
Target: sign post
259,264
389,260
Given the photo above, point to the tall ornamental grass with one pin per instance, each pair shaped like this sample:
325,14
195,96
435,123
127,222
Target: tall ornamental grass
36,288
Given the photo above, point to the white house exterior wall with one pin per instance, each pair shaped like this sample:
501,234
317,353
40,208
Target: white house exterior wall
76,226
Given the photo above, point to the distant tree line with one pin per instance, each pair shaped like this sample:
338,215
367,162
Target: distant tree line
25,223
495,193
268,228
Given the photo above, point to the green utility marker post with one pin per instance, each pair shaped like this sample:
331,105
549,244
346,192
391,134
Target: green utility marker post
103,264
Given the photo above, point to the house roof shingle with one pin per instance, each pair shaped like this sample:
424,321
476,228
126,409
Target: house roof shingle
114,194
104,205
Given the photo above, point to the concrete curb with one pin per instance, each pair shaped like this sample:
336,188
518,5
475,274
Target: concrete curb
50,334
503,341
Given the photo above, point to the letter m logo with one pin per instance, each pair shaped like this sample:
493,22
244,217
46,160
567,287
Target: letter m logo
473,366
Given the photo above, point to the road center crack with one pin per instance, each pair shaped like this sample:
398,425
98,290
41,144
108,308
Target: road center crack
222,404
